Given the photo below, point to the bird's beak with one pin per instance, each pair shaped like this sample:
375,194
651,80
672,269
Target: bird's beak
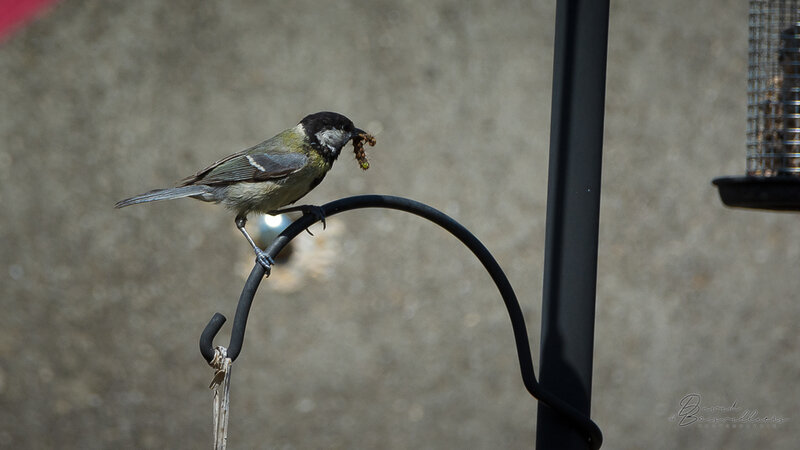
360,136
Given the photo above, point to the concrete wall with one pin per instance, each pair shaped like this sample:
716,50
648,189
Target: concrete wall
381,331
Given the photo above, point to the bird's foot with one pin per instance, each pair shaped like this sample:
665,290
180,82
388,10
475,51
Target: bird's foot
265,260
307,210
262,257
317,212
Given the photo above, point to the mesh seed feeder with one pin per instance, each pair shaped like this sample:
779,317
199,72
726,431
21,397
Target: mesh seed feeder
772,180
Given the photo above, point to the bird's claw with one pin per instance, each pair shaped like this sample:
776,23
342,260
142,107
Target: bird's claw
311,210
318,214
266,261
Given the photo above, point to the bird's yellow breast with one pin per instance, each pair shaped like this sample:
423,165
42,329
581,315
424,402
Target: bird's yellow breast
266,196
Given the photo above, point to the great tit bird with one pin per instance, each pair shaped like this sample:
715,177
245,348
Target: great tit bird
269,175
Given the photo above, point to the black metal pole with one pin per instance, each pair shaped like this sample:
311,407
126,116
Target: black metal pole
573,209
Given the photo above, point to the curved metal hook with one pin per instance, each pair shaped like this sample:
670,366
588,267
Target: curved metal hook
589,429
239,319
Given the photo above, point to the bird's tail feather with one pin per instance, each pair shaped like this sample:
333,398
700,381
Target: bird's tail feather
164,194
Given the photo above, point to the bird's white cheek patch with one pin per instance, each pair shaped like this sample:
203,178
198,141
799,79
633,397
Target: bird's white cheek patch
332,139
255,164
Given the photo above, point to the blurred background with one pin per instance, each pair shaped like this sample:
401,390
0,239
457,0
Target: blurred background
381,331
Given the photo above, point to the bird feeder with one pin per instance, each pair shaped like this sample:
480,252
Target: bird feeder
772,179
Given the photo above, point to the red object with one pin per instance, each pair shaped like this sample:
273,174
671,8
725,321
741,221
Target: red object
15,13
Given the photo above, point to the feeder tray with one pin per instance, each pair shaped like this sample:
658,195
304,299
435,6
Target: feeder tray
780,193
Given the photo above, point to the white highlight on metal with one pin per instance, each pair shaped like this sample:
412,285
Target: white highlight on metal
273,221
255,164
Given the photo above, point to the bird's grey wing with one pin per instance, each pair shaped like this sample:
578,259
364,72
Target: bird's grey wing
264,161
193,179
249,167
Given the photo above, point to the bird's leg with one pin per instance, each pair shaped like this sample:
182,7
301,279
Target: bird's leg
313,210
262,257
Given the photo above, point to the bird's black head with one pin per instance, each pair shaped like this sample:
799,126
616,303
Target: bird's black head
328,132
